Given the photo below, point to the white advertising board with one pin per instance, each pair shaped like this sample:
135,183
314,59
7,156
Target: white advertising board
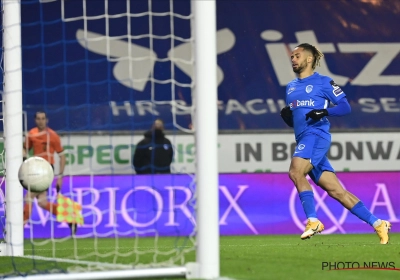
237,152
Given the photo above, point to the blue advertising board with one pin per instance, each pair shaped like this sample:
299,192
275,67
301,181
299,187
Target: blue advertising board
91,68
249,204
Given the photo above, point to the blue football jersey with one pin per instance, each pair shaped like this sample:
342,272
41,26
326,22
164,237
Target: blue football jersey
313,92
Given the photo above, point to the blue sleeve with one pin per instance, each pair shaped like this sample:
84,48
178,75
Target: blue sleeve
332,91
342,108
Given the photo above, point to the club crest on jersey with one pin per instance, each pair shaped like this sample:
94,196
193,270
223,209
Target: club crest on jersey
336,89
309,88
290,90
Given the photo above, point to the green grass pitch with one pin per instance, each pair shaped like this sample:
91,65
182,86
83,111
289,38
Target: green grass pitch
246,257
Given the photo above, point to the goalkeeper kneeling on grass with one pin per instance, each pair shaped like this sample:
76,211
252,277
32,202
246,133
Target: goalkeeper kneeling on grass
44,142
307,99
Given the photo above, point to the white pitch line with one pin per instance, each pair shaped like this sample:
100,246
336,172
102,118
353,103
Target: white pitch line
108,248
110,265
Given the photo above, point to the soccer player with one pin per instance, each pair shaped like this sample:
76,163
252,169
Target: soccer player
308,98
44,142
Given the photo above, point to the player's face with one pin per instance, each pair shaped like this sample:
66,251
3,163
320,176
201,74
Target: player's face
41,121
158,124
299,60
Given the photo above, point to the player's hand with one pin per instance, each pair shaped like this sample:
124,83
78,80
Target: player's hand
58,188
316,114
286,112
59,184
287,116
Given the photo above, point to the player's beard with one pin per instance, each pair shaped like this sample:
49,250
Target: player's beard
41,127
300,68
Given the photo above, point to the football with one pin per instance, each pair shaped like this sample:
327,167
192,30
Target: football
36,174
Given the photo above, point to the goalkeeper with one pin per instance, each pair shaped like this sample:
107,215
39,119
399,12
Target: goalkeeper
44,142
307,99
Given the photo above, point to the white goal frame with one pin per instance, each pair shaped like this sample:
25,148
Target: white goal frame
12,97
207,264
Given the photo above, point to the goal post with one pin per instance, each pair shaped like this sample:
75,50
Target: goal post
206,129
12,98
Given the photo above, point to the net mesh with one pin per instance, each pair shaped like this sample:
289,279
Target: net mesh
2,176
103,73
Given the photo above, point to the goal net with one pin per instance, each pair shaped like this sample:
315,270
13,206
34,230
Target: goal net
105,73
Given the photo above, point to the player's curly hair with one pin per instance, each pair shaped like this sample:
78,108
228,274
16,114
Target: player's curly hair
317,54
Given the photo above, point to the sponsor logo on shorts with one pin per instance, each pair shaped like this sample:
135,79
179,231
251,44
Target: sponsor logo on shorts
301,147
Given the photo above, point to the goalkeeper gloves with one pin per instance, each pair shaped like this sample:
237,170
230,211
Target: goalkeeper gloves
316,114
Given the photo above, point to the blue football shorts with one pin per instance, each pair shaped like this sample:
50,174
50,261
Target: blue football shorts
314,147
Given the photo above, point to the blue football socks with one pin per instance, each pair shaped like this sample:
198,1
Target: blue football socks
363,213
307,200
